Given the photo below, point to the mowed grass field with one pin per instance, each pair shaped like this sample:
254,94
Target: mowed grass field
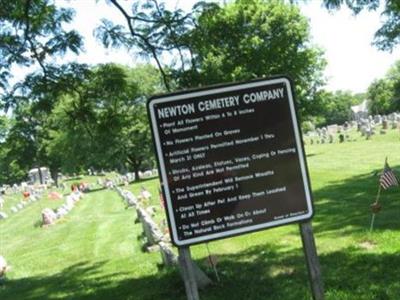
95,252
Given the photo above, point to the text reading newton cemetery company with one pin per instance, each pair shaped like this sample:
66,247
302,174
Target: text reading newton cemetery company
219,103
231,160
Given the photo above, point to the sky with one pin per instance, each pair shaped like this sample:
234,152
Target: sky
353,63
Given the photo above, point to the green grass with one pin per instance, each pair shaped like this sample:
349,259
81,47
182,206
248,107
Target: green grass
95,252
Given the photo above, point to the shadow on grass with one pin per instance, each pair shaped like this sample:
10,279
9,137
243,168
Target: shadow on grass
84,281
264,272
95,190
140,180
345,205
73,179
260,272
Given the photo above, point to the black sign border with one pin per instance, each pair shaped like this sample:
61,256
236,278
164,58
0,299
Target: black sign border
247,229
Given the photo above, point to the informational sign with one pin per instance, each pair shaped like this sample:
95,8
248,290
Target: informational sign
231,160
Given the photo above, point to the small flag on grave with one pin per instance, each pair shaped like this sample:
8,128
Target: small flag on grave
388,178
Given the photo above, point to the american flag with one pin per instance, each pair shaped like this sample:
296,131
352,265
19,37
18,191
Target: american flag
388,178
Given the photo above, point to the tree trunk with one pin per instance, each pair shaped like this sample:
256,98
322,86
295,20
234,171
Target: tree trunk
54,175
135,163
136,170
40,175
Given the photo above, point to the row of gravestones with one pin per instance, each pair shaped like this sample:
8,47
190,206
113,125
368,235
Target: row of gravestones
22,187
34,197
366,127
130,177
145,216
119,180
158,240
50,216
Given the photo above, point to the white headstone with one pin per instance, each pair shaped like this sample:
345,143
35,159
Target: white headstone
48,216
3,266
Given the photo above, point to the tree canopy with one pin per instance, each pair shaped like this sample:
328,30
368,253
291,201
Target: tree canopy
384,93
31,31
236,42
251,39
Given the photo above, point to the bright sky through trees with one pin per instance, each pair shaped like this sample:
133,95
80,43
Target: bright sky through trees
353,63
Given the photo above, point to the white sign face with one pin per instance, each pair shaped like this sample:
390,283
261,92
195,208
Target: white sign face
231,160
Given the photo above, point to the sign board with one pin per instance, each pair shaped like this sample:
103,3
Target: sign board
231,160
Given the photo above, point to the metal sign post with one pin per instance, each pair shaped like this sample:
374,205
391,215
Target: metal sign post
313,266
188,275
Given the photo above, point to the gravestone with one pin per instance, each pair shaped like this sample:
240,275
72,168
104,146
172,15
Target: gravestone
363,130
145,194
131,200
332,129
61,212
384,124
369,133
169,258
48,216
3,267
330,138
378,119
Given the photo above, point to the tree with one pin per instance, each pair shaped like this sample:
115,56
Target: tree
4,127
394,76
384,93
250,39
18,150
33,100
386,37
380,95
337,107
102,123
31,31
151,29
240,41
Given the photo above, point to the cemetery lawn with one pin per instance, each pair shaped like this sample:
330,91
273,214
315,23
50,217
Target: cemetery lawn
95,253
